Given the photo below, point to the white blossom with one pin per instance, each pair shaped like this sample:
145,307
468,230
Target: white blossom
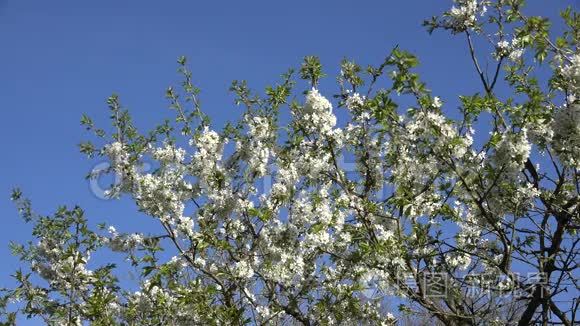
354,101
566,138
243,269
465,12
512,151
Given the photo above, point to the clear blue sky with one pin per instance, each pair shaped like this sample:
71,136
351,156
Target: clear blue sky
59,59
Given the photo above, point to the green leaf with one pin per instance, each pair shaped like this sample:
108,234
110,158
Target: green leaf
16,194
311,69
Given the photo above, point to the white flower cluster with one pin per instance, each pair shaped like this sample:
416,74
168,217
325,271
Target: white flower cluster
286,178
354,101
525,195
464,13
156,195
169,154
566,140
424,122
260,135
121,165
206,160
117,155
437,102
185,226
264,313
512,151
541,131
469,235
427,133
58,271
310,162
318,116
243,269
209,147
459,260
513,51
235,229
571,73
122,242
156,299
283,262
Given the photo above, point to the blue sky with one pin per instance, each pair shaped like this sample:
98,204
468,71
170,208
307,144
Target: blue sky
59,59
